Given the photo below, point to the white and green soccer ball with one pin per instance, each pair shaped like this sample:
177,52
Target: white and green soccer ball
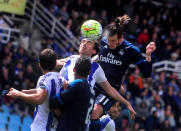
91,29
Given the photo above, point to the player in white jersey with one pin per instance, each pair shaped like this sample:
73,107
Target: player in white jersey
97,74
88,48
48,85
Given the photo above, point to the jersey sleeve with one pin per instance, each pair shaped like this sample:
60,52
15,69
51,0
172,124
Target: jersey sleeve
100,75
62,72
110,126
144,66
42,84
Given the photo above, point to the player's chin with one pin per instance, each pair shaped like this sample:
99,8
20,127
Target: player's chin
112,47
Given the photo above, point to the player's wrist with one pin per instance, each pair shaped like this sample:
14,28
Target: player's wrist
19,94
127,103
148,57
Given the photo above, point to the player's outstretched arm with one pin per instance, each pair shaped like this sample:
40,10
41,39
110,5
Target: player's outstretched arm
31,91
35,99
145,66
116,96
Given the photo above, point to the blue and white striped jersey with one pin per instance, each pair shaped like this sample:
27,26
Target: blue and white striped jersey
43,117
97,74
107,123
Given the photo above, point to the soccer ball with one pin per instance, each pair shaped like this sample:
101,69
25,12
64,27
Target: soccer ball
91,29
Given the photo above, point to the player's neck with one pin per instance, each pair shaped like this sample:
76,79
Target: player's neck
45,71
79,77
85,55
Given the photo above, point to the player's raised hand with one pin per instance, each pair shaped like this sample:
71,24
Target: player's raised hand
13,93
150,48
132,111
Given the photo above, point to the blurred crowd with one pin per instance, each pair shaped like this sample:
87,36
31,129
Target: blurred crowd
150,22
157,100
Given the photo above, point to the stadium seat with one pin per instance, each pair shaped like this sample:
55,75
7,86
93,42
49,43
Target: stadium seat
3,118
27,121
5,109
15,119
13,127
2,127
25,128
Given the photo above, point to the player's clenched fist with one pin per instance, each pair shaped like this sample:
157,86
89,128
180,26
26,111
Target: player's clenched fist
13,93
150,48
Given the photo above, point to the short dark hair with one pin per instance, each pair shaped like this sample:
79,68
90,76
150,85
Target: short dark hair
96,46
117,27
48,59
83,66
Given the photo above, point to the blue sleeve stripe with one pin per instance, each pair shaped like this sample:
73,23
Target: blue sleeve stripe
136,49
59,99
141,61
66,69
94,67
104,124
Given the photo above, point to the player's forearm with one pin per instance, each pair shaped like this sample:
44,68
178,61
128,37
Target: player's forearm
33,99
31,91
113,93
146,69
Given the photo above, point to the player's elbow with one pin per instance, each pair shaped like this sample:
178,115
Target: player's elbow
38,100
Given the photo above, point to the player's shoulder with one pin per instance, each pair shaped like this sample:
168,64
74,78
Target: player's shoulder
79,83
48,77
129,46
74,57
71,59
95,66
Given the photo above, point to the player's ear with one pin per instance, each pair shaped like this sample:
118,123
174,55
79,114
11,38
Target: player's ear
94,52
121,38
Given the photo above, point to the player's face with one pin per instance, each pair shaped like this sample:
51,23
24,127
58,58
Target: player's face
115,110
113,41
86,48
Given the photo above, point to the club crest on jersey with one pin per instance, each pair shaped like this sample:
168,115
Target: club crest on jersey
105,46
121,52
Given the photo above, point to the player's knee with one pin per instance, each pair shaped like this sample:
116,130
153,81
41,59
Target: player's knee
97,112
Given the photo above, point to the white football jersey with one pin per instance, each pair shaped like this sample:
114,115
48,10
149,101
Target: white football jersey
107,123
97,74
43,118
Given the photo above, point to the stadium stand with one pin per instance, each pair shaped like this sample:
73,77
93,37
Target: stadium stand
157,100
